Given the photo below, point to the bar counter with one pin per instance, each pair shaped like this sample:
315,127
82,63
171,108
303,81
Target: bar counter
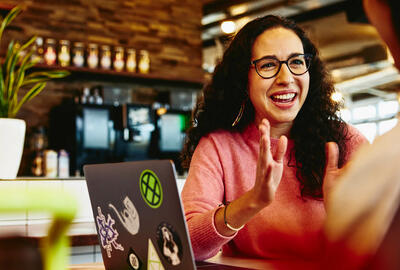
84,242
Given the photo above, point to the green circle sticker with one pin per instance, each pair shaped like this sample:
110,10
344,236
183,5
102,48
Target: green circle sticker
150,188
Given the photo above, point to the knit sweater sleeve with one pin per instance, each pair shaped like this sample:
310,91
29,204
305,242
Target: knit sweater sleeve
355,140
203,192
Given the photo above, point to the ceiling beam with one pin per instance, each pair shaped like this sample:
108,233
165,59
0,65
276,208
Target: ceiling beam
302,16
221,5
249,13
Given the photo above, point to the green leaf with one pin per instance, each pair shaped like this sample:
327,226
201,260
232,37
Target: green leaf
24,65
34,91
7,20
1,83
27,44
8,64
43,76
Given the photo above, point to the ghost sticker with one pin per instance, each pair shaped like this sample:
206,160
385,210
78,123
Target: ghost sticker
153,261
133,260
128,216
108,235
169,243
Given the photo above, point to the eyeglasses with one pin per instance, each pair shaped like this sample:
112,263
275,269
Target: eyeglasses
269,66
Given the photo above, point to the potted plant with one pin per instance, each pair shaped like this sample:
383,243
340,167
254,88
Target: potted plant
15,74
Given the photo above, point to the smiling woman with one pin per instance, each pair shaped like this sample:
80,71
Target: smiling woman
257,149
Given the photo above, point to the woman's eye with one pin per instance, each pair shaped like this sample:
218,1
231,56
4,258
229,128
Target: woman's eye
267,65
297,62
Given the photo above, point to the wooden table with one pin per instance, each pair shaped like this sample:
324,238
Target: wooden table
83,234
234,261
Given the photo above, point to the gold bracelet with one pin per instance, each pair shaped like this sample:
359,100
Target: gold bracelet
226,222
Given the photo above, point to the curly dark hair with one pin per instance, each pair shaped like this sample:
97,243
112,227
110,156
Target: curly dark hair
315,124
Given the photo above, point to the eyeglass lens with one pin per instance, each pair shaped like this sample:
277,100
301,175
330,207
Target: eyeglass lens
268,67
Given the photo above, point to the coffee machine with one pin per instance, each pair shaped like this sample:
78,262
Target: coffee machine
101,133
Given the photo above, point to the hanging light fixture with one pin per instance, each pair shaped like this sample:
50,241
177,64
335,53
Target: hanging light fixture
228,27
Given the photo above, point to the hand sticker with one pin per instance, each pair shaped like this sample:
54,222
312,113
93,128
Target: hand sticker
128,216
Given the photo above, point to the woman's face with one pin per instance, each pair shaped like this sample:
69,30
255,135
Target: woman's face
279,99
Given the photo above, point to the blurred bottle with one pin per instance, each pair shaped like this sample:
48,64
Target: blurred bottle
93,56
37,164
38,142
97,96
131,60
38,50
78,52
105,61
64,53
63,164
50,52
119,59
144,61
85,95
50,163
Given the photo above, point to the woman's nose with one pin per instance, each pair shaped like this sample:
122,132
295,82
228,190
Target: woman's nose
284,75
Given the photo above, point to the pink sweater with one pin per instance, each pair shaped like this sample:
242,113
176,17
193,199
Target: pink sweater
223,167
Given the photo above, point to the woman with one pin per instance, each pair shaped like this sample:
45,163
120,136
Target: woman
259,143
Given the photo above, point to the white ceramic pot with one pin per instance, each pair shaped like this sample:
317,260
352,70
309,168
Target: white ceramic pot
12,137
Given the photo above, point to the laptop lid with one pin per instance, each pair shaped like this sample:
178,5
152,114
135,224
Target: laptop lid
138,215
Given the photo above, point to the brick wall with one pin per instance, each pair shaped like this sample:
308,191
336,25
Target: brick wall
170,30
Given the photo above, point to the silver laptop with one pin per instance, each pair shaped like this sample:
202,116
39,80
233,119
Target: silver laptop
139,218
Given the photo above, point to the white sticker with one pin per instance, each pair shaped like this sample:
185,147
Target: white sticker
153,261
108,234
134,260
128,216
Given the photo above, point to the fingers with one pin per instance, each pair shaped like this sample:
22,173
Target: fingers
332,156
281,149
265,143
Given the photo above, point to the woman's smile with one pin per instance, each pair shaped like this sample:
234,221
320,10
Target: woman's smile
283,99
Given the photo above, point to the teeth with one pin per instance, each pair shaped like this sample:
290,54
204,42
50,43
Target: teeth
286,96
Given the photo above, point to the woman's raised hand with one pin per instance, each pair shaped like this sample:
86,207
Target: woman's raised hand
268,177
269,166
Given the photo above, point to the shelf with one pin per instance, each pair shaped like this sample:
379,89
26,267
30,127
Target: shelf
98,74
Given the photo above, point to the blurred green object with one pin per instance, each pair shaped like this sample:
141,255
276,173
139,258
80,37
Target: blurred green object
13,72
60,204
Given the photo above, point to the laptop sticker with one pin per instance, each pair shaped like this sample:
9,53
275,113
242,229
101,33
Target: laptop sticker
107,233
153,261
150,188
133,260
169,243
128,216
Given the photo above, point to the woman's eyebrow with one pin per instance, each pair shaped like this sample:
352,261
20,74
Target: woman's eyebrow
274,56
295,54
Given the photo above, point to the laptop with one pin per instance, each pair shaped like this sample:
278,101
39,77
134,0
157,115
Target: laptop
139,217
